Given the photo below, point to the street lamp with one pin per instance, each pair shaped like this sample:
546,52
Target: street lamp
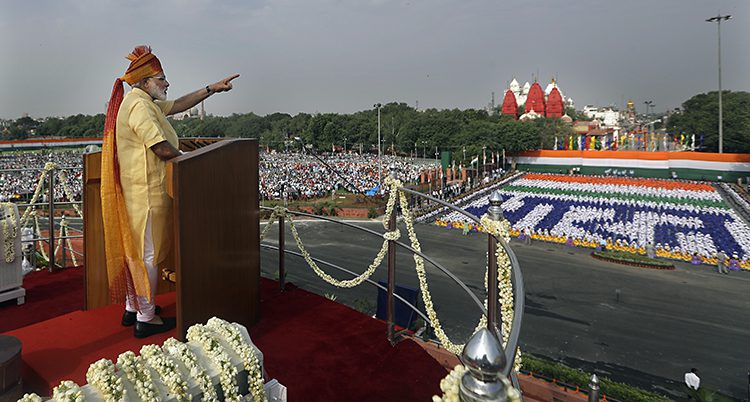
718,20
648,105
380,171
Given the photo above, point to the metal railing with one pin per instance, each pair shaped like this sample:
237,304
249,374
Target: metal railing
51,206
505,365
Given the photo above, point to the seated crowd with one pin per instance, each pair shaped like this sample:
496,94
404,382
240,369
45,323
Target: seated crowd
20,171
302,176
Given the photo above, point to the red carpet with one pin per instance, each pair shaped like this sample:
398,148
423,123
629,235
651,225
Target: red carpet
48,295
321,350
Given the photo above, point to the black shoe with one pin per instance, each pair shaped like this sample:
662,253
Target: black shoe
144,329
128,317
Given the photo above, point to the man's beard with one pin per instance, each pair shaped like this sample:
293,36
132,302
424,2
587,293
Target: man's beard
158,93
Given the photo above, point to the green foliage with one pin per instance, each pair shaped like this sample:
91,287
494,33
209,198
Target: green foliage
403,129
581,379
630,257
700,115
372,213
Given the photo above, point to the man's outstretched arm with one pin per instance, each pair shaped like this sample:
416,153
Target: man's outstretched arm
185,102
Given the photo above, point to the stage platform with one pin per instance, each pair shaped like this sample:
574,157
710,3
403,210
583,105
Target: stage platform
319,349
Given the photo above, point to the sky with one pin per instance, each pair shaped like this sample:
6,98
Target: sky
61,57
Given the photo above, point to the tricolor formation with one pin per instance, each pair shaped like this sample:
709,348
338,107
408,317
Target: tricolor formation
681,220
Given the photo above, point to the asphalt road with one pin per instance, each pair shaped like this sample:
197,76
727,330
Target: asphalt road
641,326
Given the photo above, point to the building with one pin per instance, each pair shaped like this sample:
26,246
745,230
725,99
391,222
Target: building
536,102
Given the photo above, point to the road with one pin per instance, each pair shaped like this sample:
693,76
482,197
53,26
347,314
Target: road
641,326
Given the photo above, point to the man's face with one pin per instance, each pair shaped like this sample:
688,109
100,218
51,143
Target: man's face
156,86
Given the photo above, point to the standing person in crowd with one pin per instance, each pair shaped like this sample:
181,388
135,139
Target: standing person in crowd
721,262
138,140
692,382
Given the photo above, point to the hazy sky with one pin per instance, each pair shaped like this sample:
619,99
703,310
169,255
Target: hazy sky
60,57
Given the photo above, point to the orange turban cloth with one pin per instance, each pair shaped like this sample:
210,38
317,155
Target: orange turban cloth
143,64
124,267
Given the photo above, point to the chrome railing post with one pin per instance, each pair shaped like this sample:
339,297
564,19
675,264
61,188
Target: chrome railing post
51,219
282,270
484,359
495,213
391,265
594,389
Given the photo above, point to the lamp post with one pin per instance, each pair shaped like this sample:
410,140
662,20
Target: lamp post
648,105
718,20
380,171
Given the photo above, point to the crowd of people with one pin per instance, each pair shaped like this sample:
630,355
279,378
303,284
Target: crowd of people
20,171
676,219
294,176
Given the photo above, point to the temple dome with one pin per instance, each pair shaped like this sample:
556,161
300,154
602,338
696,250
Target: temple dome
555,106
515,86
509,107
535,100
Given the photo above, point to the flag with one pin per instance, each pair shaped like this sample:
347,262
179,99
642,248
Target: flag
484,156
475,160
555,142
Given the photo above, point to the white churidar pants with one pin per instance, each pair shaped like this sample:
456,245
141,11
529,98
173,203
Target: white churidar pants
147,309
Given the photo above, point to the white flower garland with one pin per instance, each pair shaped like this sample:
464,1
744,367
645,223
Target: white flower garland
233,336
10,230
278,211
32,397
181,352
101,375
450,387
422,276
501,230
168,371
68,391
68,192
38,233
139,375
227,372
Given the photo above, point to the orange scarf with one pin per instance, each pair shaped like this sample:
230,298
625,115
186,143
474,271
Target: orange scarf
124,266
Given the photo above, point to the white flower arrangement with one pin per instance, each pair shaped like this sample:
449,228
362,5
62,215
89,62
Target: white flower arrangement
450,387
10,230
168,371
101,375
30,398
68,391
181,352
203,336
68,192
139,375
250,360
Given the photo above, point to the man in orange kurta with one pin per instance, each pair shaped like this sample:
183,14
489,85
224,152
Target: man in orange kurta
138,140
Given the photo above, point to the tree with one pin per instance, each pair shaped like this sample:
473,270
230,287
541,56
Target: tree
700,116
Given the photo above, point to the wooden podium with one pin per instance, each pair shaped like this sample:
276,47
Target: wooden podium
214,192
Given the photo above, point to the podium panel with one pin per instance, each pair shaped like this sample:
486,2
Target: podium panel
216,232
